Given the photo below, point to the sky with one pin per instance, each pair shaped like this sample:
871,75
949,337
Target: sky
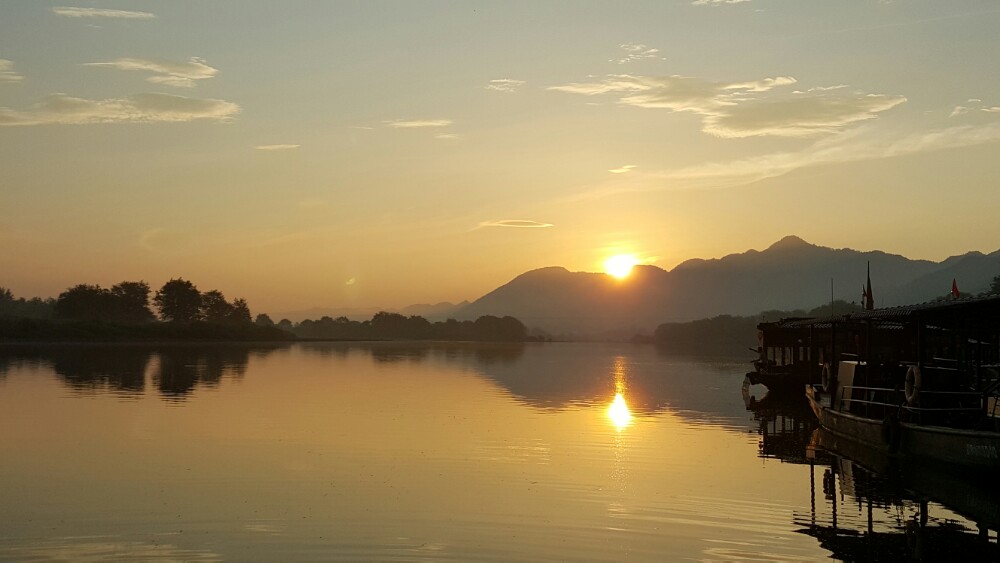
380,154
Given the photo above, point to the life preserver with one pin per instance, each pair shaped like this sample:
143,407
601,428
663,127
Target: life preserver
827,379
913,384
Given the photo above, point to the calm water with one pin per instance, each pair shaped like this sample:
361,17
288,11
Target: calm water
464,452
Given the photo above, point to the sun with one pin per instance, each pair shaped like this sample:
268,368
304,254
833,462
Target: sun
620,266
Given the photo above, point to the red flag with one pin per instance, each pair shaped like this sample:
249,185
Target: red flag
954,289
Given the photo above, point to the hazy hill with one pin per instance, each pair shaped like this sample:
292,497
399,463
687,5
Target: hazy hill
790,274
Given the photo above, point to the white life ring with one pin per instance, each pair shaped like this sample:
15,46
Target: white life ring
827,379
913,383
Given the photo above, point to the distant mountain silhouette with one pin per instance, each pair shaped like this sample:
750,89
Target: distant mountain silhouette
790,274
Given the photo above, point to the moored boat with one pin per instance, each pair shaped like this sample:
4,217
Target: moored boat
920,381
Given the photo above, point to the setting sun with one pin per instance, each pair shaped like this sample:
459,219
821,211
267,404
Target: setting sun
620,266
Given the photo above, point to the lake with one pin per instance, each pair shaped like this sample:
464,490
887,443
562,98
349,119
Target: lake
389,451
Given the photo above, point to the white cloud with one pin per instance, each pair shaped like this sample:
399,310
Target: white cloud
276,147
508,85
72,12
170,73
516,223
635,52
994,109
861,144
7,74
623,169
447,136
743,109
798,116
959,110
716,2
139,108
414,123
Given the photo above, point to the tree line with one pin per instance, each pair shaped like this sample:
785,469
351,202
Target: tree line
130,310
729,335
179,310
394,326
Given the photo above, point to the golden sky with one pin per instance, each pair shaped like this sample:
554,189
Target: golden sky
386,153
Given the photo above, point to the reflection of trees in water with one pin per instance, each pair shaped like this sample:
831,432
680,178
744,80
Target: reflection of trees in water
452,352
177,370
120,369
558,376
180,369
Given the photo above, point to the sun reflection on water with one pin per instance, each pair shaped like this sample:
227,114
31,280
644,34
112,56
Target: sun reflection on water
618,411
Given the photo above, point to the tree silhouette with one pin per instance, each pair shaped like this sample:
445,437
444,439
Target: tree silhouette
178,301
263,320
214,307
132,302
240,312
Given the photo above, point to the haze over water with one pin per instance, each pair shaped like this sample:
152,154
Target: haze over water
396,451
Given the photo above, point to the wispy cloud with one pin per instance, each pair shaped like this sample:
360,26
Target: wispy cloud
716,2
73,12
798,117
743,109
622,169
276,147
447,136
861,144
7,73
416,123
635,52
170,73
516,223
507,85
139,108
994,109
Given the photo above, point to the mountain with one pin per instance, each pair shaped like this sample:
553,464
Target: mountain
789,274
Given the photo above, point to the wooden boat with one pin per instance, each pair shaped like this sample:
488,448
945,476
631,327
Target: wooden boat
920,381
853,412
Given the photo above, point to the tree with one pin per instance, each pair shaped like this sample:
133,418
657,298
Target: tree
995,285
263,320
286,325
85,302
178,301
131,301
214,307
239,312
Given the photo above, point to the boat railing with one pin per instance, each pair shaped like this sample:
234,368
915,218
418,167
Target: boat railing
951,408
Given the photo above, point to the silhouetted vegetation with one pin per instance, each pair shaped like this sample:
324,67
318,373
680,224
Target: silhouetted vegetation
727,334
21,308
123,313
393,326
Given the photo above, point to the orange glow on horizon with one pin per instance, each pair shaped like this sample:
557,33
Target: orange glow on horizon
620,266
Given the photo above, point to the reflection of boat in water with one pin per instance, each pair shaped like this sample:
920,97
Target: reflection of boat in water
784,424
868,505
905,510
922,381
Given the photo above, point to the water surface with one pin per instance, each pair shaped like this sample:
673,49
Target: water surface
396,451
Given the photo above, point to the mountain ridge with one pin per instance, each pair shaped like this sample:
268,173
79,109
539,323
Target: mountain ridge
789,274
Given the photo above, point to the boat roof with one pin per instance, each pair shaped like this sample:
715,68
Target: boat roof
972,312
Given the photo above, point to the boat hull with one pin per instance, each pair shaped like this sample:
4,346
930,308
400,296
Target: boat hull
974,449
